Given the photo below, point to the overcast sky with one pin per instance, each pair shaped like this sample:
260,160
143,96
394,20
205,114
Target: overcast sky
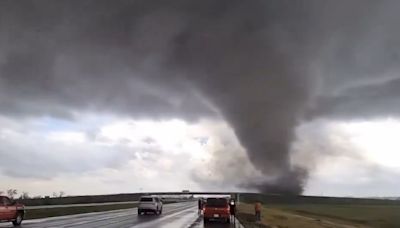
131,96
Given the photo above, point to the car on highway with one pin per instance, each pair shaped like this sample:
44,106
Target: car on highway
151,204
216,209
11,211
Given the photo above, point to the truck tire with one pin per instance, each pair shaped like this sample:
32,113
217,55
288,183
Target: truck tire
18,219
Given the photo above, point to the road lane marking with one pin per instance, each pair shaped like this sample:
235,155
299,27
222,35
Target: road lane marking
184,221
113,213
153,222
78,205
93,217
62,222
112,217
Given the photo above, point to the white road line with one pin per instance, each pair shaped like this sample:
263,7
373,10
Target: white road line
151,224
79,220
184,221
108,217
77,205
31,221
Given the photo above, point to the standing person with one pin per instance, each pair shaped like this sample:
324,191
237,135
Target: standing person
200,205
257,209
232,209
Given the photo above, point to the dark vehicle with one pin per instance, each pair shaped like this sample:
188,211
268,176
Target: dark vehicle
217,209
10,211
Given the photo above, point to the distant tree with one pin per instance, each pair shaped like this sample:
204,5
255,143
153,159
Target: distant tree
11,193
25,195
59,194
37,197
1,193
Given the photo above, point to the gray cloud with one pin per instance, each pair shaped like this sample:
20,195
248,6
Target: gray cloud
263,66
43,159
76,62
358,178
362,102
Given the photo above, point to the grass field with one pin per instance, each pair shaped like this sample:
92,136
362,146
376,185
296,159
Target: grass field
272,217
318,216
51,212
369,215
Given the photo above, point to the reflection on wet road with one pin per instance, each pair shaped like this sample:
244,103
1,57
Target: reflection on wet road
176,215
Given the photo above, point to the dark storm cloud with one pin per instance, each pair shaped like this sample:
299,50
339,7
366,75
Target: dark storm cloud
88,58
262,65
367,101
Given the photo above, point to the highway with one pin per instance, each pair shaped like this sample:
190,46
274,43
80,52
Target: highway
78,205
175,215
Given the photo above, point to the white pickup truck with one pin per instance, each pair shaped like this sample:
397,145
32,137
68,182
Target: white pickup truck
151,204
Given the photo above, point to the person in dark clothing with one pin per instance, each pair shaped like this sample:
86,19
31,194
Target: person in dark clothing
200,205
257,209
232,208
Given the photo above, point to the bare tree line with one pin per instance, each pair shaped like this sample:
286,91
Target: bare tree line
12,193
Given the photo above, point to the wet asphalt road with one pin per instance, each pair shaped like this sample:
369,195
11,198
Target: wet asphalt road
178,215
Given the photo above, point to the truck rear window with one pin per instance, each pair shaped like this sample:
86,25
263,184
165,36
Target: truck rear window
146,199
216,202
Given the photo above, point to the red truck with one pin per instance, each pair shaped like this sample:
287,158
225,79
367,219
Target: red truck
216,209
10,211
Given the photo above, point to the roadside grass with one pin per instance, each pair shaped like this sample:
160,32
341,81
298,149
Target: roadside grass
272,217
385,216
52,212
